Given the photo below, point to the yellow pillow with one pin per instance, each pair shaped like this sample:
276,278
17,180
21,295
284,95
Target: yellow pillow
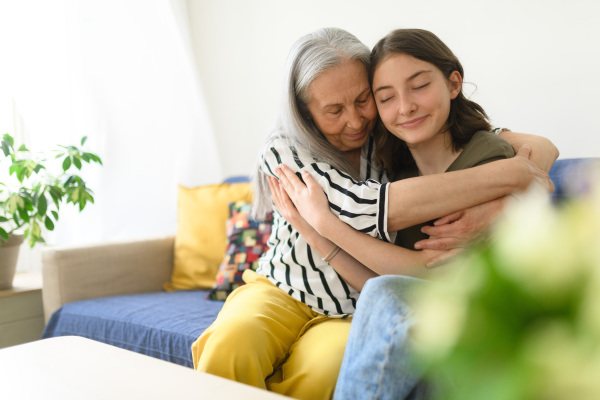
201,238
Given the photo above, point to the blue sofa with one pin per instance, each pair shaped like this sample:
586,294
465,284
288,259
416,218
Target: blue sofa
95,292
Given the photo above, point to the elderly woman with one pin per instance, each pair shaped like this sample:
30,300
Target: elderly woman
286,329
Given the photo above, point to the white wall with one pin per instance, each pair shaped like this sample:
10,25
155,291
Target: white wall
535,62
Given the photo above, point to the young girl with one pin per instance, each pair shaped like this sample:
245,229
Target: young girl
417,83
430,128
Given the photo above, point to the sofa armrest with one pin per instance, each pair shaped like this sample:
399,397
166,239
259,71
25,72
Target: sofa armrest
107,269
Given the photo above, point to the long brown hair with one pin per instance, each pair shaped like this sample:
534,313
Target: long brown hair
466,117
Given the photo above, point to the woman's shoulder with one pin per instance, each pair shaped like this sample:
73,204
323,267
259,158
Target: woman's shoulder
280,149
279,140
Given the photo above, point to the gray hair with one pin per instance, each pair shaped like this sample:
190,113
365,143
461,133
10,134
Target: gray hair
310,56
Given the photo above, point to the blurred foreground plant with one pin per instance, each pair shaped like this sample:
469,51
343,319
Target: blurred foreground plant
32,194
520,318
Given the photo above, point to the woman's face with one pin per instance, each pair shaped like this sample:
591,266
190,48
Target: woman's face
413,97
342,106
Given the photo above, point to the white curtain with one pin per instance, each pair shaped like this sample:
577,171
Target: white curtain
122,73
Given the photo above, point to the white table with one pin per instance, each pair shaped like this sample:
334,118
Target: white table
72,367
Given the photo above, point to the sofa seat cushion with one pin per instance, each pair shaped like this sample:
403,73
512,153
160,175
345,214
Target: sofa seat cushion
162,325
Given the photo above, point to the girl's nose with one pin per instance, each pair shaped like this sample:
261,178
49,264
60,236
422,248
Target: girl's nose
407,105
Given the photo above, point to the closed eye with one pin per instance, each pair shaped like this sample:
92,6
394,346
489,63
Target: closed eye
422,86
364,99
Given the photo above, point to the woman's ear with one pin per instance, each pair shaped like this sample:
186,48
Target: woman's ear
455,80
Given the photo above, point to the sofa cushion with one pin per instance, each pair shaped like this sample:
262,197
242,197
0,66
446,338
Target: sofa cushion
201,239
246,241
572,177
162,325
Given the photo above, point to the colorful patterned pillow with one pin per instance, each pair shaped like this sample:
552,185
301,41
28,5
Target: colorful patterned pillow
246,241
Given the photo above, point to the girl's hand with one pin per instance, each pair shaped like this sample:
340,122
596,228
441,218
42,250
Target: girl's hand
308,197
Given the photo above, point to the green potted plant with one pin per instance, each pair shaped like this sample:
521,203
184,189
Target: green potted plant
31,195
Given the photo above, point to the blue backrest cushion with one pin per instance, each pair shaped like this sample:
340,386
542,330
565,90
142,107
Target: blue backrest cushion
571,176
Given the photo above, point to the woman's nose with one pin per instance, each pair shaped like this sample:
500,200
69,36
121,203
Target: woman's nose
354,119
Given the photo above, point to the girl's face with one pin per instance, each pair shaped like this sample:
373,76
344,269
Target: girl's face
342,106
413,97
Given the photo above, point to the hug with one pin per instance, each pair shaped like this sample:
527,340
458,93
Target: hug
368,149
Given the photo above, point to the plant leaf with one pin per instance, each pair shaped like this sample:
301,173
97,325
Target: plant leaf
38,167
66,164
36,230
77,161
42,205
14,202
49,224
7,144
9,139
94,158
23,214
83,140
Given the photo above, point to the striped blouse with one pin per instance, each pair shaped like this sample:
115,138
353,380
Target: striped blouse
290,263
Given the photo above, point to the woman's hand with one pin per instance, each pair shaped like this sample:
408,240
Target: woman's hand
308,197
287,209
457,229
543,152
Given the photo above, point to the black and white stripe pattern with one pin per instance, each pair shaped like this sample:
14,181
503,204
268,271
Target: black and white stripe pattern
290,263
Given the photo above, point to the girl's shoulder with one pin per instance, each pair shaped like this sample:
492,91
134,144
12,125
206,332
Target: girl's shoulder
486,141
483,147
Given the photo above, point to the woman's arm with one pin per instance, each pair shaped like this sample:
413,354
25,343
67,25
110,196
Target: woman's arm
461,227
543,151
376,209
353,272
379,256
356,203
415,200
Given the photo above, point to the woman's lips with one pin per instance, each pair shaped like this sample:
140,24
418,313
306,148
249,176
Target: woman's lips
358,135
413,122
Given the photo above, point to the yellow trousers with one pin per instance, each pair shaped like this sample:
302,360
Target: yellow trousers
265,338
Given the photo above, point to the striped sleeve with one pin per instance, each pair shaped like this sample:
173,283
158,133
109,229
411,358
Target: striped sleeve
362,205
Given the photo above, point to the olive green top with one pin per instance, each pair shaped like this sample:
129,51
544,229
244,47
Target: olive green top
484,147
